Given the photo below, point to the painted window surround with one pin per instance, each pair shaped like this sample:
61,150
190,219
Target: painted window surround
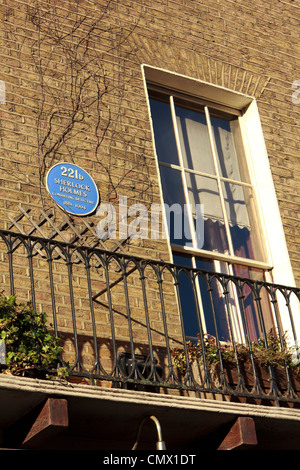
277,256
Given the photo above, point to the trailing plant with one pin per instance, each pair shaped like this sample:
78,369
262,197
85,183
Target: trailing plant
274,351
29,344
179,356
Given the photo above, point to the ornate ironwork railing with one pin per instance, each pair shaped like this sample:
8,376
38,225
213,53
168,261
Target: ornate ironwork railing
151,325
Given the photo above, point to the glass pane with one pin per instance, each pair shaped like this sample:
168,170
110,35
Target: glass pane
175,206
203,190
187,298
251,304
213,300
243,223
229,149
165,143
194,140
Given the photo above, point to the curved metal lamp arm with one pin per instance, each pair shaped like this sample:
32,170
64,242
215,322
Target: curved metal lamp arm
160,444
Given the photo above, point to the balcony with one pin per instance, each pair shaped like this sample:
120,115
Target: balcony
121,321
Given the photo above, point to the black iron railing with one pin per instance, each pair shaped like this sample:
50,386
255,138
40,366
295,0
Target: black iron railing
150,325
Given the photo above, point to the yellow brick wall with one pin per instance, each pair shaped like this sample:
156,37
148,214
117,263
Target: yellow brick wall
251,48
54,51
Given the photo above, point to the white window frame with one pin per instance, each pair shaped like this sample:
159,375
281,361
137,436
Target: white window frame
277,263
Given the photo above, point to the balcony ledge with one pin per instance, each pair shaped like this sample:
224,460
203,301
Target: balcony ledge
104,418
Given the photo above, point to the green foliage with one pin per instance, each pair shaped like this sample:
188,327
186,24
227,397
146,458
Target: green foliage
29,344
273,352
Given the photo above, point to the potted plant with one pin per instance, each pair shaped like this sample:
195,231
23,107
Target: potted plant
261,363
31,349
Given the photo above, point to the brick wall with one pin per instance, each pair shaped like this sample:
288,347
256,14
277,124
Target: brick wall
74,92
101,45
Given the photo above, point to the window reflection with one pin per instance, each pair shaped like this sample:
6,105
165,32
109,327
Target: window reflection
230,311
163,130
229,147
174,199
244,230
251,304
188,300
194,140
204,307
203,190
202,163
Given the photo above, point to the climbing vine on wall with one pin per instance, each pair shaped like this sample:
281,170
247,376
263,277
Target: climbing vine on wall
81,63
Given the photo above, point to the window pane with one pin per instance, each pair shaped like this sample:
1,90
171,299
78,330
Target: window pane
213,301
165,143
187,298
194,140
203,190
251,303
229,149
243,224
175,206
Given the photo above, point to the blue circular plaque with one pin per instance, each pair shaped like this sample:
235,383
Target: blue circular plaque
72,188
